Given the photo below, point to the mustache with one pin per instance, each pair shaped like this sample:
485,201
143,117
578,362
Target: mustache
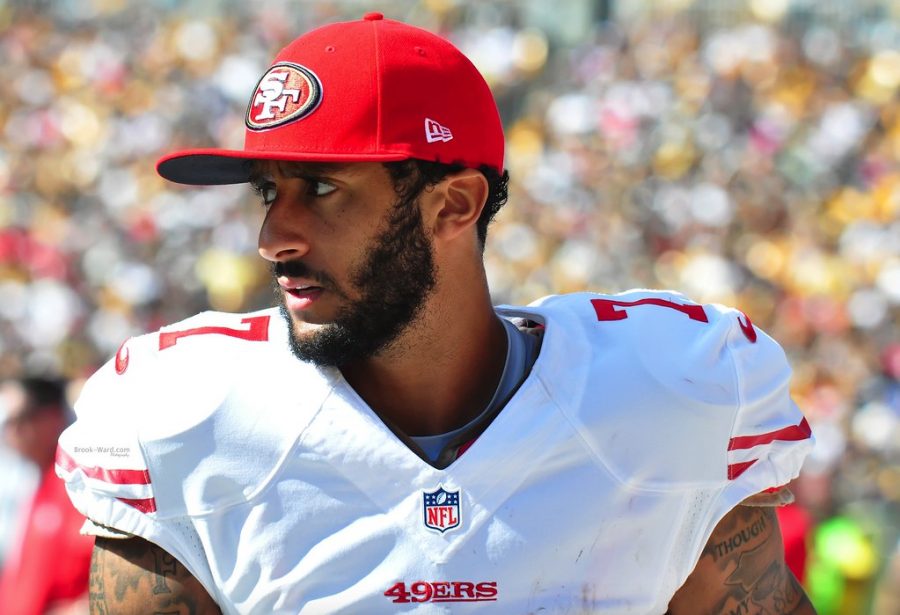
299,269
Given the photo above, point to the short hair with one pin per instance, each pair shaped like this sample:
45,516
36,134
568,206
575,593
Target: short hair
43,394
410,177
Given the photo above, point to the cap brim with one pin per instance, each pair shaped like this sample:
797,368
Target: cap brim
215,167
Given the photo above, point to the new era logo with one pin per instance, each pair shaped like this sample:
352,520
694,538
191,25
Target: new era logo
434,131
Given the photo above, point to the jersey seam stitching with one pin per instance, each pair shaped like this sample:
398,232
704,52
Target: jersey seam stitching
269,480
595,455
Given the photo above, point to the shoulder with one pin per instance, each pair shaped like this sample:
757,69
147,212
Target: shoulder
186,419
691,349
669,391
646,317
177,374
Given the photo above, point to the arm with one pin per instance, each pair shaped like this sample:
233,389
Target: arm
742,571
134,577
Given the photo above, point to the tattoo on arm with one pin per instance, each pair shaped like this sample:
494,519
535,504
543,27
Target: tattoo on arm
96,587
164,564
742,571
133,576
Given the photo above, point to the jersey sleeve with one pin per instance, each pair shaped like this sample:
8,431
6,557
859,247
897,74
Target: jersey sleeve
770,437
101,459
99,456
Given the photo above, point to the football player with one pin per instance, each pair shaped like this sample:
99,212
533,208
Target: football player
385,439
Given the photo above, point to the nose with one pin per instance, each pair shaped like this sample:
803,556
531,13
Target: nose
282,236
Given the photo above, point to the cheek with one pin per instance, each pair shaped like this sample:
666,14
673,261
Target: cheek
354,261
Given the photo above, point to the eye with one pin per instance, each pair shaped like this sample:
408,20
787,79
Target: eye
317,187
266,191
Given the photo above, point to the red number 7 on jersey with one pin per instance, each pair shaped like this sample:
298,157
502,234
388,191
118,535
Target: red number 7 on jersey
258,331
606,308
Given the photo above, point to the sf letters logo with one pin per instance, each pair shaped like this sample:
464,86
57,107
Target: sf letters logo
272,94
285,93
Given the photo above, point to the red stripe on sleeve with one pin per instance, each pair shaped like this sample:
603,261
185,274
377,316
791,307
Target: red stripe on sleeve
115,477
786,434
736,469
146,505
64,461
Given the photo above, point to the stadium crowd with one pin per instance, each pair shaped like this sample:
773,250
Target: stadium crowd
753,161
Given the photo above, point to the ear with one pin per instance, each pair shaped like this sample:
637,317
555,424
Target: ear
461,198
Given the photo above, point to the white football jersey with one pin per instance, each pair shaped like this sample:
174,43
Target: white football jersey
644,420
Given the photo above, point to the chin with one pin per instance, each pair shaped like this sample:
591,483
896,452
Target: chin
304,329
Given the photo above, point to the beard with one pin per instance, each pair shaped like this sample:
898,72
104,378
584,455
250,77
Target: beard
394,280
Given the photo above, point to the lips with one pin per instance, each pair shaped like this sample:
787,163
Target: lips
299,294
307,292
289,284
302,290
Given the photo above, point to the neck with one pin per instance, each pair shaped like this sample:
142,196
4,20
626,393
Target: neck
444,368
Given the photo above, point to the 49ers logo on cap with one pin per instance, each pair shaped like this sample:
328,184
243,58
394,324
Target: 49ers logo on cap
287,92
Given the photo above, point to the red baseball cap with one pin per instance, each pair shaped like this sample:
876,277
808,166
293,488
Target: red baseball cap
368,90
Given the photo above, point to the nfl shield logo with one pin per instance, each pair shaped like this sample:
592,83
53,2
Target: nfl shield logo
441,508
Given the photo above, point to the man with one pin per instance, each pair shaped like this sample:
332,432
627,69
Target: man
386,440
47,570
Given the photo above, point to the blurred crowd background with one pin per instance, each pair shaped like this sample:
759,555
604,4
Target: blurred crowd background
743,152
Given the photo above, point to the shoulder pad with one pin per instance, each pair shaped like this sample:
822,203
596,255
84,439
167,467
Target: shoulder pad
201,408
669,393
